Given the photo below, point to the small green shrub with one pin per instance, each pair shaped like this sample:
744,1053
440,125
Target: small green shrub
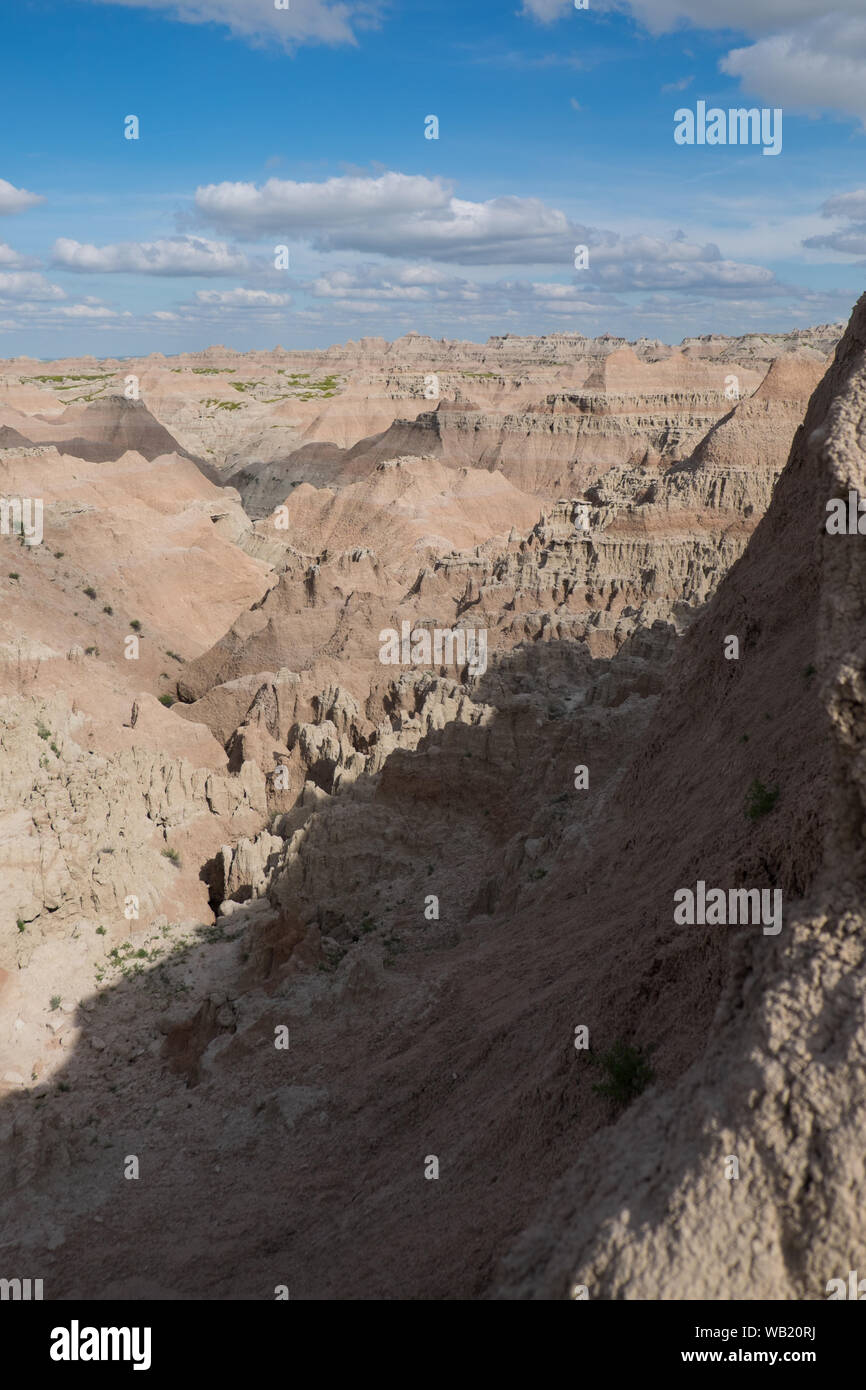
171,854
90,591
627,1072
760,800
135,625
108,609
55,1001
167,700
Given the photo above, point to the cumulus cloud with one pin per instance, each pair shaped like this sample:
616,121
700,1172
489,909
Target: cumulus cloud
259,22
242,298
50,317
851,205
230,310
720,276
187,255
751,16
401,216
530,306
626,266
801,58
849,240
370,285
547,10
283,205
393,215
11,259
430,296
25,284
644,262
819,65
86,311
14,199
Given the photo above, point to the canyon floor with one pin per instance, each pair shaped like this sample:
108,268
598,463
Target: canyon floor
361,977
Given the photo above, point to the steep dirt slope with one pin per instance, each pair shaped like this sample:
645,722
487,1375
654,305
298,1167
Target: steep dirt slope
647,1211
104,430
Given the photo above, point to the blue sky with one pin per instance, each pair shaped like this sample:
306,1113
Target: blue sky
306,128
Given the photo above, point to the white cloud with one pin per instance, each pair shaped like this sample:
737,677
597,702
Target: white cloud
14,199
463,307
258,21
851,205
187,255
820,65
85,311
25,284
366,299
750,16
804,58
850,240
715,275
644,262
410,284
242,298
547,10
398,216
393,215
282,205
13,260
639,264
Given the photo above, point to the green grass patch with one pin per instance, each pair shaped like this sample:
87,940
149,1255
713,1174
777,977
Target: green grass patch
627,1072
760,800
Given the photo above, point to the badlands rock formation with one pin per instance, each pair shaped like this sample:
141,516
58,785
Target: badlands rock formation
224,815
